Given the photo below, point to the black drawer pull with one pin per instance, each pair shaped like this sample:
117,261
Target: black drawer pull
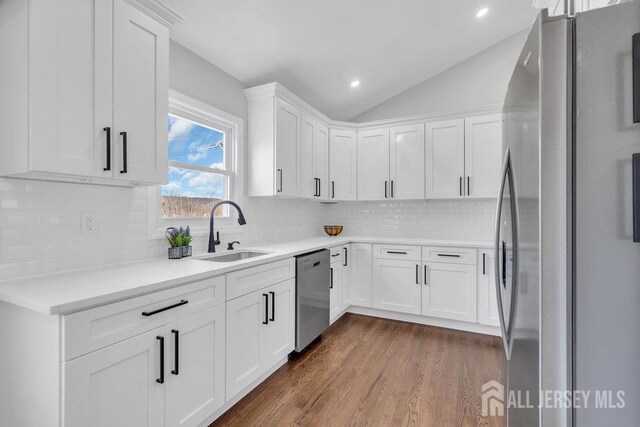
397,252
176,367
161,379
345,257
335,255
449,255
160,310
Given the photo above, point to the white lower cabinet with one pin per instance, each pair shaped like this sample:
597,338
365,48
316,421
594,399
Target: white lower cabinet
449,291
361,257
117,385
487,297
260,331
346,277
196,368
396,285
335,290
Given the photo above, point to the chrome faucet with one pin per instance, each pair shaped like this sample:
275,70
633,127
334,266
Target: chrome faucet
214,242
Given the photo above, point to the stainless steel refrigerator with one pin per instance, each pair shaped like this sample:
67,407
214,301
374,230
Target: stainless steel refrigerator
567,245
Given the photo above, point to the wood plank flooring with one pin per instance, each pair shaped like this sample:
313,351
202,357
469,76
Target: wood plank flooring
378,372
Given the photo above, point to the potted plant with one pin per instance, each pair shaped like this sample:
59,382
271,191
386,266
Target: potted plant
186,241
175,239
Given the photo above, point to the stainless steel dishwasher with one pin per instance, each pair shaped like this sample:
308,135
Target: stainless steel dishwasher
312,297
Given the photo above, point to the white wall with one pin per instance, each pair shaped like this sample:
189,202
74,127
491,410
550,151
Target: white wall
478,81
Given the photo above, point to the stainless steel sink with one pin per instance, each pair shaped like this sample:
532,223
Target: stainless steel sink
233,256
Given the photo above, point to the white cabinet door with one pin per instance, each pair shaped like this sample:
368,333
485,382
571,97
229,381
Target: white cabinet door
449,291
287,135
407,172
309,184
280,332
445,159
343,165
483,155
321,160
487,298
70,47
335,291
141,95
247,320
373,164
396,285
361,257
346,277
117,385
196,368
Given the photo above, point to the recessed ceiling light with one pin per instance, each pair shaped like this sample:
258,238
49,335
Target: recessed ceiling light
482,12
355,83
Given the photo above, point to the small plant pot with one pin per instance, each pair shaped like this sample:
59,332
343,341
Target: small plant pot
186,251
175,253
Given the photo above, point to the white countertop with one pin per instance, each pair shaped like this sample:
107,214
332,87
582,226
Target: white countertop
66,292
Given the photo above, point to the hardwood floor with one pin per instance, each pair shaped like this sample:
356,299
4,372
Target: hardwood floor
371,371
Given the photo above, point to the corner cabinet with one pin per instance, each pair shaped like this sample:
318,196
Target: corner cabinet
314,151
343,162
85,91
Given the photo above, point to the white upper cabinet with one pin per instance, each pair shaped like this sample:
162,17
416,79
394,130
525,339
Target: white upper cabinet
77,74
483,155
445,159
287,137
314,149
373,164
141,95
342,164
406,167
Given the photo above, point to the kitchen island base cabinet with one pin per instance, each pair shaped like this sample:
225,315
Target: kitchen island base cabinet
259,333
396,285
361,268
449,291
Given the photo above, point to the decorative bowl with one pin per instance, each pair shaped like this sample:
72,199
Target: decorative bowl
333,230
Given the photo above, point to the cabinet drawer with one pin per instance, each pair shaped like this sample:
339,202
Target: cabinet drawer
449,254
245,281
409,253
89,330
336,254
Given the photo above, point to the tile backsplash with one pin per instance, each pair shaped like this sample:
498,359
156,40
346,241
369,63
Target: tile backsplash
41,230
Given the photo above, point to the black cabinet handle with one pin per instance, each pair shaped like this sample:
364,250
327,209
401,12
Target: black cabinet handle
461,186
319,187
425,274
385,190
449,255
335,255
176,363
636,77
417,274
266,309
636,197
316,193
160,310
468,186
108,140
124,152
273,306
484,261
397,252
333,189
345,257
331,282
279,188
392,196
161,379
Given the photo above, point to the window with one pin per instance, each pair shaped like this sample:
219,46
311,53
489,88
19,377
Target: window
204,148
198,169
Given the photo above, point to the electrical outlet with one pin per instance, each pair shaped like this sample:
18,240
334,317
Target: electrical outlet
89,223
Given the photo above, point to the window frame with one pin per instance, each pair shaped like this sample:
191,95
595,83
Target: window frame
201,113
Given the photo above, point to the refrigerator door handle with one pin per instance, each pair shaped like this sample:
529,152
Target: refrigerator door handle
498,251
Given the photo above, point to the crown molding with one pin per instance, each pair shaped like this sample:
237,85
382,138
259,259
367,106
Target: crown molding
158,10
275,89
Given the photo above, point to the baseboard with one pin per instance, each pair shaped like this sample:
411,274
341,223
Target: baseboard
424,320
229,404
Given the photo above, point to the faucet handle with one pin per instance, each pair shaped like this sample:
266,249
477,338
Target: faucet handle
230,246
217,241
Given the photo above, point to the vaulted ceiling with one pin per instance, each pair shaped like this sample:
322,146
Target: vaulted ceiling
317,48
